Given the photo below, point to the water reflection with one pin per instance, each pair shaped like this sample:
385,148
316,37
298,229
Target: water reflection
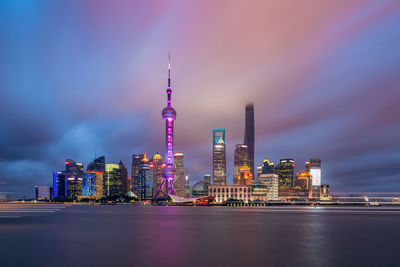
200,236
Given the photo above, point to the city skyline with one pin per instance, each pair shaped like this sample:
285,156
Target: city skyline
329,91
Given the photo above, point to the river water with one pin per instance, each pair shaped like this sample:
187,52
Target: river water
85,235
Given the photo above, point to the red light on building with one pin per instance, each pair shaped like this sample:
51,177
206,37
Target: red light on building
151,165
67,162
164,165
87,171
99,172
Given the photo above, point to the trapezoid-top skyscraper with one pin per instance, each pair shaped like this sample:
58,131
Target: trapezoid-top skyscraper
168,172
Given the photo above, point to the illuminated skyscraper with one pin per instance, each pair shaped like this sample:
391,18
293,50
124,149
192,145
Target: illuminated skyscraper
112,180
168,172
240,159
259,170
124,178
187,187
286,173
156,164
314,168
98,164
74,179
249,136
89,184
304,182
244,177
207,178
179,182
136,161
60,191
219,157
268,167
145,187
271,181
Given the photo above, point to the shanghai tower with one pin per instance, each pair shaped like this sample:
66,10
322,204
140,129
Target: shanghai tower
168,172
249,136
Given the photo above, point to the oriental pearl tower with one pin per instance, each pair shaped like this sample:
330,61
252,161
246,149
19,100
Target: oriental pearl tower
168,172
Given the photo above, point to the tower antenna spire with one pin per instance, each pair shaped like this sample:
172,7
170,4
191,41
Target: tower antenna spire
169,69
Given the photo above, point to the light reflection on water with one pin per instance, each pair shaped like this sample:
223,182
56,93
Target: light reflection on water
200,236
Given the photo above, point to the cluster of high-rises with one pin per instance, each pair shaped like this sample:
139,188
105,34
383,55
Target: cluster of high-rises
109,180
150,178
154,178
100,179
265,182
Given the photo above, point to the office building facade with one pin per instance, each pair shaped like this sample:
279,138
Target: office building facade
179,181
207,178
187,187
303,181
240,160
112,183
286,173
136,161
60,190
145,178
156,164
74,172
271,181
42,192
124,178
244,177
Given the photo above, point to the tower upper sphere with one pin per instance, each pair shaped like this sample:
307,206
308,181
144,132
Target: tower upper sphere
169,113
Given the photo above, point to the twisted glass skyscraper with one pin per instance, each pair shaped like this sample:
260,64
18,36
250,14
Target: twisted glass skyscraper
249,136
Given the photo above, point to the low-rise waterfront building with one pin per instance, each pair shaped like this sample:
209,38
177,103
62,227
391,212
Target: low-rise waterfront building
224,192
42,192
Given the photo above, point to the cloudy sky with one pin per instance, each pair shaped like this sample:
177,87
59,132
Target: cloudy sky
85,77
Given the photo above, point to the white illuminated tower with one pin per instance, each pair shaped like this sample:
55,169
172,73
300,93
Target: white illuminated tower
168,172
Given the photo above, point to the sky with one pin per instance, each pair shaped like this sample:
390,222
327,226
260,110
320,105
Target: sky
86,78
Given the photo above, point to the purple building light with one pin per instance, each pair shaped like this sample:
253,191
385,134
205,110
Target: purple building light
168,172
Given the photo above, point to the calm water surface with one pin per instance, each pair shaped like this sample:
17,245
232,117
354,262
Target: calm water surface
84,235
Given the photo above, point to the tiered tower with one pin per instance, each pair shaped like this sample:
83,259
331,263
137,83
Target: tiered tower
168,172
